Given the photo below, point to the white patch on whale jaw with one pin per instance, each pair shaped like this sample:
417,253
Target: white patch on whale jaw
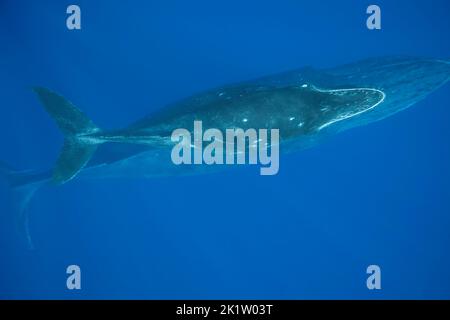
350,114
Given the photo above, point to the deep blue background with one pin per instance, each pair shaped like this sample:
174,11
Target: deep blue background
378,194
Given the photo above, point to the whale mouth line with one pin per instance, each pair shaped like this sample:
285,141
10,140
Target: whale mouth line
351,115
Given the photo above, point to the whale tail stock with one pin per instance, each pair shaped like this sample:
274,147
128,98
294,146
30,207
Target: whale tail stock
74,124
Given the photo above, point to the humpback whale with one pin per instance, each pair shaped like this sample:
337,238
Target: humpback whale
306,105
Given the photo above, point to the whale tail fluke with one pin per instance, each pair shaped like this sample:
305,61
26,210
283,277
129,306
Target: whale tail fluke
75,125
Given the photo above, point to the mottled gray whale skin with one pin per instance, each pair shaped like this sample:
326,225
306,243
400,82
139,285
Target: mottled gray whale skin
306,105
297,102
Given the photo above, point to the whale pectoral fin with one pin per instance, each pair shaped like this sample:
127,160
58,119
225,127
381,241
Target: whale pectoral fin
75,126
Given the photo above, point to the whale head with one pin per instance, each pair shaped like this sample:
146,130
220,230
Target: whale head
320,109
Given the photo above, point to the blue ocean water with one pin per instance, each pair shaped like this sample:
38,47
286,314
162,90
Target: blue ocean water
378,194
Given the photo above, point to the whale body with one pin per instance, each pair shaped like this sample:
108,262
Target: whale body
306,105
